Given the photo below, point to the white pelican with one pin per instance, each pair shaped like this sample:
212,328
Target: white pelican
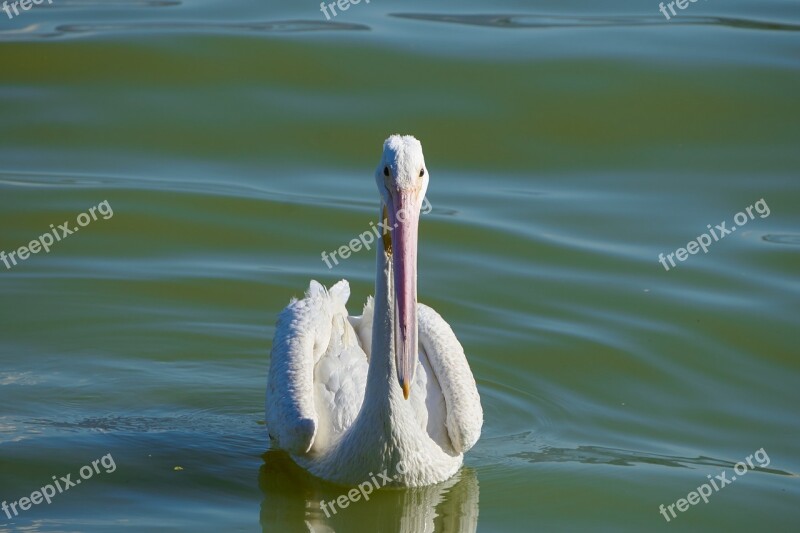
389,391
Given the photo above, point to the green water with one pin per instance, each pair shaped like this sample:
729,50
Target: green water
568,143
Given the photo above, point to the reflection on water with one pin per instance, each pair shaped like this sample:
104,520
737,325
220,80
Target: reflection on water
292,498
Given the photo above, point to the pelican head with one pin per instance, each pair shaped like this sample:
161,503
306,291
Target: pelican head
402,180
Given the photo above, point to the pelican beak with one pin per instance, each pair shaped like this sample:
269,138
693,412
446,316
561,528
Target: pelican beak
404,222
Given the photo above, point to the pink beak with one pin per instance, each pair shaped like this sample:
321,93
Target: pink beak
404,219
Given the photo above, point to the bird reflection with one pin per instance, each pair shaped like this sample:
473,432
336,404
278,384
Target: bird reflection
292,502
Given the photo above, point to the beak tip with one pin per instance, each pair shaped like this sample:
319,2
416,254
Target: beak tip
406,390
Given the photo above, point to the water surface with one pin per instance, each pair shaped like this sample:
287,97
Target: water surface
568,143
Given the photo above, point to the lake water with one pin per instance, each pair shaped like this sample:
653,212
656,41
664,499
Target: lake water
568,143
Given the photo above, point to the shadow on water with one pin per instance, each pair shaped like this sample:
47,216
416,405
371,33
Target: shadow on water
293,497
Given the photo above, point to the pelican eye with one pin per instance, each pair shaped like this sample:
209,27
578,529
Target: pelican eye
421,172
385,171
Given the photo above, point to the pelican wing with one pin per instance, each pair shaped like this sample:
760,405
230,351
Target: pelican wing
317,371
464,416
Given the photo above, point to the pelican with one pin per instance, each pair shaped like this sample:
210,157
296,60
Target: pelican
389,392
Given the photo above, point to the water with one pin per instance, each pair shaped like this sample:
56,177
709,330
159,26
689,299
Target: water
569,144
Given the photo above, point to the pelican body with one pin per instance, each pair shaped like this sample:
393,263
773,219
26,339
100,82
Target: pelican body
389,391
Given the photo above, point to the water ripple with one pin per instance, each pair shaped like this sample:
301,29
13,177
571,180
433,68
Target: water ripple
783,238
284,26
619,457
37,31
199,421
121,3
560,21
